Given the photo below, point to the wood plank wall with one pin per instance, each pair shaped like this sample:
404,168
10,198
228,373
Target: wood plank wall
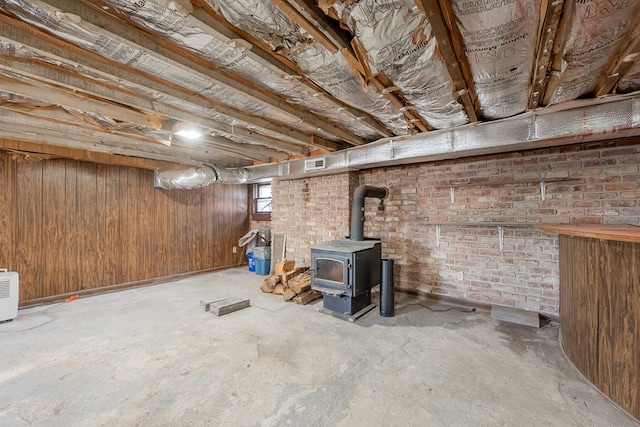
68,226
600,314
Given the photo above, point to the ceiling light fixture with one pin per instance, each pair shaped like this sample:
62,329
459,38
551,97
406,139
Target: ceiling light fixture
189,133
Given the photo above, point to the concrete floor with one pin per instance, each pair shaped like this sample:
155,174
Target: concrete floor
152,357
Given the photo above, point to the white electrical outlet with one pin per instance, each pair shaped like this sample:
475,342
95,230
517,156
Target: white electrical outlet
235,250
460,275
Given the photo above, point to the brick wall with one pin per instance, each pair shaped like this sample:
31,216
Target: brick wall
310,211
590,183
260,224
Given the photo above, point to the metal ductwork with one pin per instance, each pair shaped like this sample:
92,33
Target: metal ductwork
586,122
357,208
196,177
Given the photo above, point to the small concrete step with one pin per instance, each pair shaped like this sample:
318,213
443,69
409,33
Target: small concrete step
228,305
514,315
204,305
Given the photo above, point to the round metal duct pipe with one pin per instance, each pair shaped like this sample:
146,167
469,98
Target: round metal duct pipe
198,177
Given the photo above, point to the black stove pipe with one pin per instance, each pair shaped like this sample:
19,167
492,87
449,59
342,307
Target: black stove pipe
357,208
387,288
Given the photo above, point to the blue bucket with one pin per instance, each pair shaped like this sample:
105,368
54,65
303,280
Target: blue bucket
263,266
251,262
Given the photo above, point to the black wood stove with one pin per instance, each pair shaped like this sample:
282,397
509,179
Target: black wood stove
346,270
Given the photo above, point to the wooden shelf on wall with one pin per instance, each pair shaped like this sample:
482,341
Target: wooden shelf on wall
483,182
487,182
499,225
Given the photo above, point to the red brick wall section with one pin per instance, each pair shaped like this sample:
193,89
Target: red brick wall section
260,224
599,183
312,210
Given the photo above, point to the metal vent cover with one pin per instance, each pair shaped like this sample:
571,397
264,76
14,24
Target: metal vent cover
315,164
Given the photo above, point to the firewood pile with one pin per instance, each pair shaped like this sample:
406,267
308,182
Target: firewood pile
294,284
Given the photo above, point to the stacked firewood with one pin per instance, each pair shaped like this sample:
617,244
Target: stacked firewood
294,284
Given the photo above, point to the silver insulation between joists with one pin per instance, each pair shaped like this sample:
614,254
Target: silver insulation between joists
328,70
185,32
596,30
400,43
227,126
631,81
225,53
92,38
499,41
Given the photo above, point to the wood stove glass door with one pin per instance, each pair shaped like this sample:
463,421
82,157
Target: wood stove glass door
332,270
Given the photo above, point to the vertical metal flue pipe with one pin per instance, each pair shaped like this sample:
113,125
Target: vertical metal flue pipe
357,208
387,289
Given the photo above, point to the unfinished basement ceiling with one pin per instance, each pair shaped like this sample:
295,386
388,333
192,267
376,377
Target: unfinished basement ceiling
270,80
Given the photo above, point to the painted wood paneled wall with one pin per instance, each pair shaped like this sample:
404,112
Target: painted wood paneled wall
68,226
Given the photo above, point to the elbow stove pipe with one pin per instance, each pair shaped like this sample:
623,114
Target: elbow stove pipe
357,208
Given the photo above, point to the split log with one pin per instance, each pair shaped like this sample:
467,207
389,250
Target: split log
300,283
302,275
269,283
267,288
307,296
280,289
273,280
291,274
285,266
301,287
289,295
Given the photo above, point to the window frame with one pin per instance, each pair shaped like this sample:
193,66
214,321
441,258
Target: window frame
255,191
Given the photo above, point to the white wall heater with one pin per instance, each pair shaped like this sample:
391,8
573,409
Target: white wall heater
8,295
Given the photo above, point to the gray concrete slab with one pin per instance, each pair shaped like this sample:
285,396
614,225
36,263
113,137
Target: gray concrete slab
152,357
517,316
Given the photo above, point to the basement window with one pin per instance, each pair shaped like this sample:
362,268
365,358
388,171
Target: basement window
261,202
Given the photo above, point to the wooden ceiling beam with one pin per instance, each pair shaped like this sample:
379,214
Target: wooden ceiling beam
316,18
260,122
207,15
385,86
310,28
444,27
204,13
223,145
245,151
57,134
26,147
382,83
552,10
144,40
620,63
61,98
311,18
57,119
293,69
556,61
101,88
52,48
